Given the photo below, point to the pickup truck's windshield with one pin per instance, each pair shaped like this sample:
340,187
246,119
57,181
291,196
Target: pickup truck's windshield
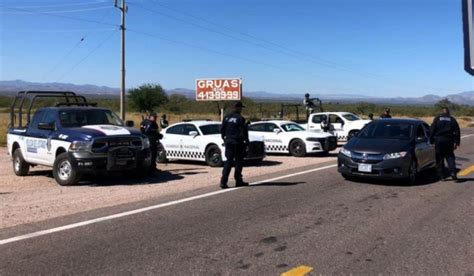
79,118
292,127
351,117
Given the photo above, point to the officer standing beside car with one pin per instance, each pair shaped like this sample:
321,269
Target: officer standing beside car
386,114
163,122
446,136
149,127
235,134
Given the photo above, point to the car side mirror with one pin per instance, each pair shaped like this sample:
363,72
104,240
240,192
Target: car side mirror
129,123
193,134
276,130
46,126
421,140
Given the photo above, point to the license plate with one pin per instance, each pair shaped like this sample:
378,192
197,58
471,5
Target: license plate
365,168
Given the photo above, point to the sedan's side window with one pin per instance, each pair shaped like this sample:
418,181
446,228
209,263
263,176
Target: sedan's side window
427,129
188,128
256,127
178,130
420,132
270,127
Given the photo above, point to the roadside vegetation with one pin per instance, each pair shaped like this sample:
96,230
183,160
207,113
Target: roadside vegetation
151,97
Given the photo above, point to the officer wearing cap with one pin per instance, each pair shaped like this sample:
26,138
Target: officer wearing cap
446,136
149,127
386,114
235,134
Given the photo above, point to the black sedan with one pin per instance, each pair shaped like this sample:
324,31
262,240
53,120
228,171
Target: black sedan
388,148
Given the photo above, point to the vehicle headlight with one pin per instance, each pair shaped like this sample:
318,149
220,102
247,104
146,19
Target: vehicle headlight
80,146
312,139
346,152
146,143
395,155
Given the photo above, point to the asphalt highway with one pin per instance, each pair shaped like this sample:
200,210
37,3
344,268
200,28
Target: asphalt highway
316,219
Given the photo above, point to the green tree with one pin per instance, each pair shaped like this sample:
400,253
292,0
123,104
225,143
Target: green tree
446,103
147,97
177,103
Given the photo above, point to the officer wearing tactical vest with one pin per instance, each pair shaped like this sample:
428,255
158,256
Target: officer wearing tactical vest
235,134
149,127
446,136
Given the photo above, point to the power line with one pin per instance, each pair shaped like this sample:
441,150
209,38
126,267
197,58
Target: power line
61,5
86,56
190,45
283,49
63,58
60,16
60,11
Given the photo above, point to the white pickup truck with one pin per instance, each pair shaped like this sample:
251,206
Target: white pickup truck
342,124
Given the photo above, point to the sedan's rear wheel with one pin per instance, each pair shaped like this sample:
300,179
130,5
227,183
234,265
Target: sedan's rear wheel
214,156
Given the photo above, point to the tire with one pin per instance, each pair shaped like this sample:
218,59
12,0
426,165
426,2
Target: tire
351,134
412,172
214,156
297,148
20,166
161,158
64,172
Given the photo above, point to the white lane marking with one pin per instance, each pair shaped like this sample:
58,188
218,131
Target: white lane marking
149,208
465,136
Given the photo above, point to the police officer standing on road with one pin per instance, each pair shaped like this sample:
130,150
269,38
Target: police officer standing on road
163,122
235,134
386,114
149,127
446,136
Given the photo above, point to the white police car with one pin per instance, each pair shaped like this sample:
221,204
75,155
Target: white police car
201,141
290,137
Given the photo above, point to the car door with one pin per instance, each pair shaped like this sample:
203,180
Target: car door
36,144
315,124
431,152
50,118
274,138
422,146
190,141
337,123
171,141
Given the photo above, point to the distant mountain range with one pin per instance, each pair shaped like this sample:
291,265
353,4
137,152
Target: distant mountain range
11,87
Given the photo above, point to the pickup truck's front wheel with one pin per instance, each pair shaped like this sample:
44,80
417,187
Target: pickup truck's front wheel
64,172
20,166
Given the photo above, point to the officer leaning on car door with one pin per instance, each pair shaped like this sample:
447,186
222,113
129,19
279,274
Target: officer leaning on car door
446,136
235,134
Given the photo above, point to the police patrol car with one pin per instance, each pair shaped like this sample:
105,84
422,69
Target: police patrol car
73,138
201,141
290,137
342,124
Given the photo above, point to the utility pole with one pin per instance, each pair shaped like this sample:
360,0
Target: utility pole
123,9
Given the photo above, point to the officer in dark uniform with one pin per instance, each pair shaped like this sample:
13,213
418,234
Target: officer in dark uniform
149,127
386,114
446,136
371,116
163,122
235,134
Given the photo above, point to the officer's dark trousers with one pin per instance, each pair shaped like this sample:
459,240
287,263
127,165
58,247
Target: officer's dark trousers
234,153
154,154
445,150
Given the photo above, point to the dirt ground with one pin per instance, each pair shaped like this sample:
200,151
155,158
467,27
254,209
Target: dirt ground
38,197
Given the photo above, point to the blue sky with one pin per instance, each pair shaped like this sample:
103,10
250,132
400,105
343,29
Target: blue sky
369,47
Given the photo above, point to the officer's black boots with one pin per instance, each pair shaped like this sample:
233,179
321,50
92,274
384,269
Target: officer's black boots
223,186
241,184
